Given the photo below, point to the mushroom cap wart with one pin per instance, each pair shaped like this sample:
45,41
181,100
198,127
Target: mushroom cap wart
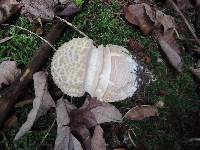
107,73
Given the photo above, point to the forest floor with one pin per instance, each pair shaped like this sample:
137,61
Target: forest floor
179,118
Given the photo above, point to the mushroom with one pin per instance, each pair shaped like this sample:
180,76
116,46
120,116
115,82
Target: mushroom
108,73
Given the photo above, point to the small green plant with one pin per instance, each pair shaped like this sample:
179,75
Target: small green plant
79,3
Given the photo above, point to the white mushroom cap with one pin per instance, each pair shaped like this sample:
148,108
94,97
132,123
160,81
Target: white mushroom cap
107,73
69,64
122,82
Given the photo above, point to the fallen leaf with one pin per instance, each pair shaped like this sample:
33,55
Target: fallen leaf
98,142
8,72
135,14
92,113
10,122
170,49
69,106
76,144
158,18
64,139
61,113
69,10
7,9
148,19
106,113
63,131
136,45
141,112
41,104
39,9
82,117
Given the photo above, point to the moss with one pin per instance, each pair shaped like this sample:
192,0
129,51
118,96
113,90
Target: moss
22,45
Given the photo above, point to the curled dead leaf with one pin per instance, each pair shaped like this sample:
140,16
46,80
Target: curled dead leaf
141,112
38,9
8,72
64,139
98,142
7,9
41,104
149,18
135,14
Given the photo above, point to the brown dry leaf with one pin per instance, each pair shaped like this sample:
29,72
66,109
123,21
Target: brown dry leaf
64,139
10,122
76,144
70,9
148,18
98,142
170,48
106,113
63,131
7,9
8,72
162,26
41,104
135,14
141,112
39,9
158,18
92,112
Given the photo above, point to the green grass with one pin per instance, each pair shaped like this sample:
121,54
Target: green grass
104,24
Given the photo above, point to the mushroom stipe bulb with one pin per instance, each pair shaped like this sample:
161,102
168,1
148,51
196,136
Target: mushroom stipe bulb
107,73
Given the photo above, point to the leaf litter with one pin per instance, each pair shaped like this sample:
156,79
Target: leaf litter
8,72
150,20
7,9
41,104
142,112
94,112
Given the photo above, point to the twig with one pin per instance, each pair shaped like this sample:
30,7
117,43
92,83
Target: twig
129,135
186,21
24,29
5,39
71,25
